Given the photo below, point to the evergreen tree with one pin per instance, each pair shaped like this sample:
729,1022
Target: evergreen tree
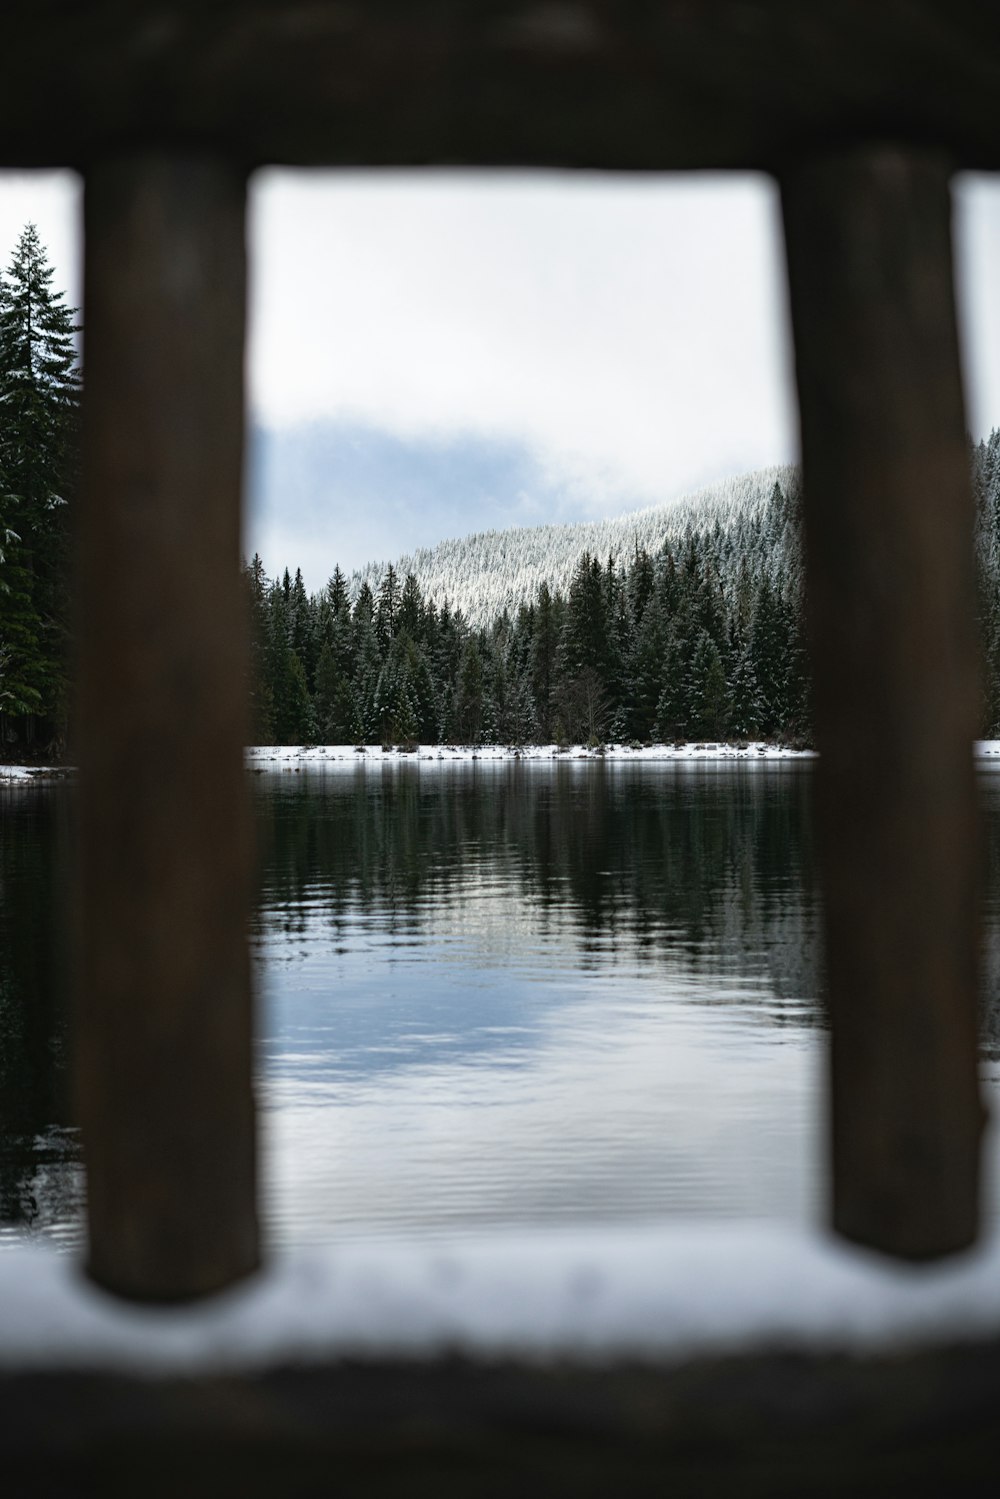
337,594
293,714
260,685
302,637
335,710
394,710
387,608
446,653
707,695
645,667
542,663
744,707
467,713
39,398
768,653
411,608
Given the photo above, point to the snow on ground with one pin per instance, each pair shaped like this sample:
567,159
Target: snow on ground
263,756
660,1293
14,775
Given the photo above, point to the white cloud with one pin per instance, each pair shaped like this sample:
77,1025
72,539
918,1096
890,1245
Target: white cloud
628,332
631,330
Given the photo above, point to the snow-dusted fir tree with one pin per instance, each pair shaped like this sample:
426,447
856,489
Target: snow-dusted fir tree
39,399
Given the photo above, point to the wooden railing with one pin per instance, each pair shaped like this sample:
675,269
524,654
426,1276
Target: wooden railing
862,111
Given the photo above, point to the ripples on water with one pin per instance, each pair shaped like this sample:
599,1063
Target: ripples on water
525,993
493,993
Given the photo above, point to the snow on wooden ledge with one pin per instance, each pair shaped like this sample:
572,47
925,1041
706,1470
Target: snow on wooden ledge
659,1294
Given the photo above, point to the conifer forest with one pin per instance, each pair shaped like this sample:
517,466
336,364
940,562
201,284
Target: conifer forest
702,638
689,627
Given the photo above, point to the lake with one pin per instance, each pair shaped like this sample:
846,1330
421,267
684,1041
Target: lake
519,993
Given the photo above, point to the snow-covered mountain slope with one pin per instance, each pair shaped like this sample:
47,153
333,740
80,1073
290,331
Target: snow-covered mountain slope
490,571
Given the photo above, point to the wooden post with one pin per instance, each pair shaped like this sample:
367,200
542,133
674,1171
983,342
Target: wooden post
164,1011
891,593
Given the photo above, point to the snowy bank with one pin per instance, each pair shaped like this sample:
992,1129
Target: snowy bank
657,1293
21,775
263,756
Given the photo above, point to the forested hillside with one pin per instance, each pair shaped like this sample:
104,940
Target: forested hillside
490,571
699,637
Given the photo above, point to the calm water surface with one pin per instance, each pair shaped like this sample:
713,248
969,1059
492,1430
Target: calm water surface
520,993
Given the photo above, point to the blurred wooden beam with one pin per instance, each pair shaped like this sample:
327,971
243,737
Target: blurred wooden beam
164,1023
619,84
919,1424
891,594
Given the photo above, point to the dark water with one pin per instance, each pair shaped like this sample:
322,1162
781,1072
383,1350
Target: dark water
39,1183
513,993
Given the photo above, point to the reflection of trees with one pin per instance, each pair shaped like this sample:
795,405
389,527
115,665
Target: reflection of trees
714,866
33,1102
990,789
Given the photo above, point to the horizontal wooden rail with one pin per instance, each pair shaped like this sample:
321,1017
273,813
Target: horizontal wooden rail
921,1425
619,84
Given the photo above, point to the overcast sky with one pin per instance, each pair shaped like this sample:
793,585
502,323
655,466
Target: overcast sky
434,353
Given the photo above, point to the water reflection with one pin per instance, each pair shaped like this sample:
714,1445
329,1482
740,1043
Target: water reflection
491,993
706,864
531,993
39,1181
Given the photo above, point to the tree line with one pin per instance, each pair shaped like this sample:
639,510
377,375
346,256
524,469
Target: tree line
684,644
700,638
703,639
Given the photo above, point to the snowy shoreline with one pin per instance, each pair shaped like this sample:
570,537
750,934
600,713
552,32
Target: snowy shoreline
263,757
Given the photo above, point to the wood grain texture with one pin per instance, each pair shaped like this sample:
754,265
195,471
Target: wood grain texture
891,604
164,1022
618,84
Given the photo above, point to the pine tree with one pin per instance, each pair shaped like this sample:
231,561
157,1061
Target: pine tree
708,697
469,697
261,687
39,399
395,712
337,593
542,663
293,717
768,652
411,608
645,666
744,711
301,632
387,608
334,706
